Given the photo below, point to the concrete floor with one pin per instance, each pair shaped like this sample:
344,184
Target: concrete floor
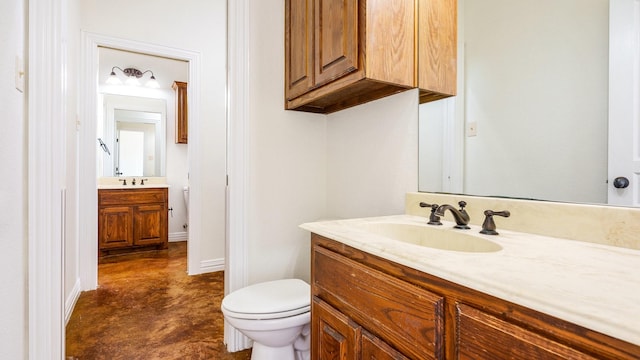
146,307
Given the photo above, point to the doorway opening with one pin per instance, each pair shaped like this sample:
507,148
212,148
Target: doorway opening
91,100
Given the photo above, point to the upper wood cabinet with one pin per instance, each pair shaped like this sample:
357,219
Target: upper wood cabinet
437,48
341,53
182,118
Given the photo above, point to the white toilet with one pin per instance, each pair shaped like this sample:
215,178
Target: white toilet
275,315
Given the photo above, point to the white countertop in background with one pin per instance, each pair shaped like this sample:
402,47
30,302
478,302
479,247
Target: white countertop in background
132,187
592,285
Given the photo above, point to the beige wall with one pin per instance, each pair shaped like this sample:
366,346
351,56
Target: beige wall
13,216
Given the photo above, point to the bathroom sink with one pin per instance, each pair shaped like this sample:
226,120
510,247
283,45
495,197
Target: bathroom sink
433,237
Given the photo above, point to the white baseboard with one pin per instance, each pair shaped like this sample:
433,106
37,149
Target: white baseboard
211,265
238,341
178,236
70,302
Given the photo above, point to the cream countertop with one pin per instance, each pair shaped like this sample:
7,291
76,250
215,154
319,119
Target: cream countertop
132,187
592,285
115,182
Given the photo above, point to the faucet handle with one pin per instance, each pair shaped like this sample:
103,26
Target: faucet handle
142,181
489,225
124,181
433,218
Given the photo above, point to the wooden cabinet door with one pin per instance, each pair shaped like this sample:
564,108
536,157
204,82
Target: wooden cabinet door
376,349
182,114
115,227
437,49
335,336
298,47
336,39
483,336
149,224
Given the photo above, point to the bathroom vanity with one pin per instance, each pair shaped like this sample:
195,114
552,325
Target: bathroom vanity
375,294
131,219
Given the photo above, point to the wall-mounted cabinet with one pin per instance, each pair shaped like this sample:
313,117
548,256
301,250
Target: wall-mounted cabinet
182,118
341,53
130,219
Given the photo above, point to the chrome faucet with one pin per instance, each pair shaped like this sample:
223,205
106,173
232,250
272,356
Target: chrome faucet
460,216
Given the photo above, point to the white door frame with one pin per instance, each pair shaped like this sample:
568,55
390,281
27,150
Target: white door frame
46,181
236,264
88,99
624,101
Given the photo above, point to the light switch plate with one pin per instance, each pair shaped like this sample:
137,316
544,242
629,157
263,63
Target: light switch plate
19,74
472,129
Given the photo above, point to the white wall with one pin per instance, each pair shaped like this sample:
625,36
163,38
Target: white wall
72,176
287,158
372,157
13,192
305,167
196,26
536,86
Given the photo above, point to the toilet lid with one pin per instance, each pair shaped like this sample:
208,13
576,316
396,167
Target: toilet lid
269,300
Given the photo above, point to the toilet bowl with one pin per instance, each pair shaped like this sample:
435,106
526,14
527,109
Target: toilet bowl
275,315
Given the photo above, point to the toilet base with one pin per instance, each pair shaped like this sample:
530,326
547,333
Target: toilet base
262,352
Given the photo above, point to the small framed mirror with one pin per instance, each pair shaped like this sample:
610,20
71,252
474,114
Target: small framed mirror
134,128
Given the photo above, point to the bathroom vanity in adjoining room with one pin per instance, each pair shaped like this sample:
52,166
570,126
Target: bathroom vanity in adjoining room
131,219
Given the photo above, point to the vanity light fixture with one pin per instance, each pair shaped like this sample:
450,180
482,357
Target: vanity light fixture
133,77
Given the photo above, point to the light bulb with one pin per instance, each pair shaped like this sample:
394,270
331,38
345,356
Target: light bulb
152,83
132,81
113,79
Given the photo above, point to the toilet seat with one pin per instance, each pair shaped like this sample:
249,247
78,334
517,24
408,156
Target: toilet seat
269,300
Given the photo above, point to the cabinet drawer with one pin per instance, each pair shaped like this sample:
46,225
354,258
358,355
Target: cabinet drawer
131,196
483,336
407,317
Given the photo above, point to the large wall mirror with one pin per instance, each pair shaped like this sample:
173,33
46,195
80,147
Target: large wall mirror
530,118
133,134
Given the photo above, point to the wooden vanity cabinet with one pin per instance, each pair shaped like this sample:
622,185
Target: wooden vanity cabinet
131,219
341,53
365,307
397,315
182,115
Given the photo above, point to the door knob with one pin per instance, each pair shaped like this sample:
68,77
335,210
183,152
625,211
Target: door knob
620,182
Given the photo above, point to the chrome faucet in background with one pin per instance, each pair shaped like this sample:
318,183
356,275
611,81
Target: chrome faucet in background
460,216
